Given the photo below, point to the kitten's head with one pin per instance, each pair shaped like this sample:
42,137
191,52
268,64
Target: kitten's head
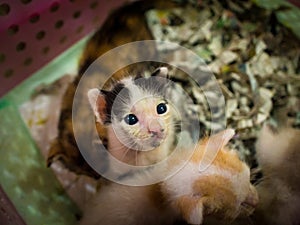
137,110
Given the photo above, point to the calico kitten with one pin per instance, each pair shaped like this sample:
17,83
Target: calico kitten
124,25
183,196
141,132
222,190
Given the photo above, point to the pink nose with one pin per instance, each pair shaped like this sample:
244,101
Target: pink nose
155,127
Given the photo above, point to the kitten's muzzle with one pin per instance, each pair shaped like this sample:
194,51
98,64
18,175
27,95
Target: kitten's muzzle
251,200
155,127
158,135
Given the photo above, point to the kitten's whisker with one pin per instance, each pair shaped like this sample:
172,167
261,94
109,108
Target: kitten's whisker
186,122
246,209
125,153
128,145
117,148
136,158
267,177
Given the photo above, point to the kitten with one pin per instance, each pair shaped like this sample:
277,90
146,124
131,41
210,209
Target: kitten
222,190
278,155
124,25
139,120
144,134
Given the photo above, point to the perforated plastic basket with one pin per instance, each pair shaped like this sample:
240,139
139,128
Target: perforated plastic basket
32,32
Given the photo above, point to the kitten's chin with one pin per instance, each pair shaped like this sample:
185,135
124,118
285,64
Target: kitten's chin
150,144
156,143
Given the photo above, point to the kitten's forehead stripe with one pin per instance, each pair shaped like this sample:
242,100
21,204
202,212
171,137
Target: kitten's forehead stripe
152,85
127,82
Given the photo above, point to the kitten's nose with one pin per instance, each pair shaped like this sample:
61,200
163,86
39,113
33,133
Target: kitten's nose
155,127
251,200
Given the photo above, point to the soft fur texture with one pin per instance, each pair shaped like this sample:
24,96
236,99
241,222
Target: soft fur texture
278,154
221,187
223,190
124,25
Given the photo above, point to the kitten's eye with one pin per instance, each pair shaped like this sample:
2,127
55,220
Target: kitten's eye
131,119
161,108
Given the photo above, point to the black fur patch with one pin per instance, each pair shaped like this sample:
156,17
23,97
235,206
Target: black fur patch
116,102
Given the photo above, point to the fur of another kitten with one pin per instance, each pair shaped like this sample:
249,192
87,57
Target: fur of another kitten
278,154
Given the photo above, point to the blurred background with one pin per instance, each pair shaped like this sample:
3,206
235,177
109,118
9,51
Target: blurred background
251,46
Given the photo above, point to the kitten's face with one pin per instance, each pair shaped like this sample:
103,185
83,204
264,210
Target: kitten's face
136,108
145,123
141,116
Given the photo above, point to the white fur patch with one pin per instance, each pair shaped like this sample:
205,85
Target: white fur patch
196,216
93,95
182,182
163,71
135,92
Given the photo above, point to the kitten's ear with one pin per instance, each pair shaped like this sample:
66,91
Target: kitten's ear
98,104
191,209
221,139
215,143
161,72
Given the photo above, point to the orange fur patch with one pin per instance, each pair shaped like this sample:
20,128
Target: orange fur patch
187,205
218,195
225,158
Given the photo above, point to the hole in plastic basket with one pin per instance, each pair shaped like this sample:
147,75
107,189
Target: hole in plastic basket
40,35
54,7
27,61
34,18
13,29
26,1
93,5
45,50
76,14
4,9
20,46
8,73
2,58
79,29
59,24
63,39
